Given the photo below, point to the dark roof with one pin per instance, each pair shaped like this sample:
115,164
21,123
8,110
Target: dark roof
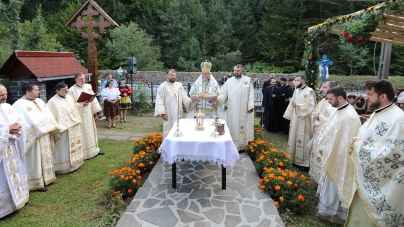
43,64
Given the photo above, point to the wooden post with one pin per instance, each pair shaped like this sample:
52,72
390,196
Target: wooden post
384,63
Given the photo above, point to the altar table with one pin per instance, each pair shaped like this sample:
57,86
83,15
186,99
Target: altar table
198,146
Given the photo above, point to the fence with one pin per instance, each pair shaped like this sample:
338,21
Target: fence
151,91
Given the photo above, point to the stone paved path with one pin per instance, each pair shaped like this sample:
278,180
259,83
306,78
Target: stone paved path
199,200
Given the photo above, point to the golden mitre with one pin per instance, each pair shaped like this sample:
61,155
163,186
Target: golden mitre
206,66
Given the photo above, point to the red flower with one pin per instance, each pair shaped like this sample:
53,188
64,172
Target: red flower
360,39
313,57
346,33
349,39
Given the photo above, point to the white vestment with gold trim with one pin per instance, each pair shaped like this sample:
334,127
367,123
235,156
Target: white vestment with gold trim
171,97
336,182
300,132
324,109
89,129
69,153
14,192
238,94
39,123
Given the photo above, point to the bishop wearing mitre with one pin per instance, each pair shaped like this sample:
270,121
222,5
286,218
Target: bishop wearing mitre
69,154
206,84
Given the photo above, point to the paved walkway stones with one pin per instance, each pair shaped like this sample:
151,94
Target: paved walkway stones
198,200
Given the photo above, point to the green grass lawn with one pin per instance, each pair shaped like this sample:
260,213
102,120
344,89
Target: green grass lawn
80,198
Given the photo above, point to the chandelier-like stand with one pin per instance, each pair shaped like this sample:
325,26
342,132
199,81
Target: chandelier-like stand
215,133
178,133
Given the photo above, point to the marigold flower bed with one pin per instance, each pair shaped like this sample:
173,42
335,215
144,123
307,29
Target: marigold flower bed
277,178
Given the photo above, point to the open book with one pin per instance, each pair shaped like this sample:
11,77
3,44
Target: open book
84,97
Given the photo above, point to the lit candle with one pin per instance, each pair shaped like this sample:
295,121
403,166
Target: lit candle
178,102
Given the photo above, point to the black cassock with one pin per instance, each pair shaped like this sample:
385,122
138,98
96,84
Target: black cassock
273,112
287,92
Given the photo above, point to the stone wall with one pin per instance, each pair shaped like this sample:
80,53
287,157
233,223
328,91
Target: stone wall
185,77
16,84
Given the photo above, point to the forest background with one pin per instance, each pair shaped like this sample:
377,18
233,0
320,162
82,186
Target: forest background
263,35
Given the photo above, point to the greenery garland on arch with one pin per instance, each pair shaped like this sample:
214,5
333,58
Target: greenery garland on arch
357,29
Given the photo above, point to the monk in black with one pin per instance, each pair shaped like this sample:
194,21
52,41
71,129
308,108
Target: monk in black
272,104
287,93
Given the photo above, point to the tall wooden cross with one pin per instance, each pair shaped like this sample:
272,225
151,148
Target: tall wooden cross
91,22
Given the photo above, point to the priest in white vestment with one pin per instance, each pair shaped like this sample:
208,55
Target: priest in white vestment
337,174
206,84
299,112
378,160
171,97
39,124
69,153
319,116
238,94
14,192
87,111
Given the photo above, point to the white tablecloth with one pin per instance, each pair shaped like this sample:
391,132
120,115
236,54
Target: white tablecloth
199,146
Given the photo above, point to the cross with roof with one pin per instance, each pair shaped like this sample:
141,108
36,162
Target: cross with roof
91,22
324,64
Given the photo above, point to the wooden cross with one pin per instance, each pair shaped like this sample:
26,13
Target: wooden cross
91,21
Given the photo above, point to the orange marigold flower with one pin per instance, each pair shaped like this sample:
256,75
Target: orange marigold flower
271,176
300,198
126,178
129,191
261,180
303,177
271,144
262,187
307,182
292,175
137,171
262,157
276,204
289,183
141,165
280,163
134,181
266,180
121,176
296,186
277,187
281,199
284,174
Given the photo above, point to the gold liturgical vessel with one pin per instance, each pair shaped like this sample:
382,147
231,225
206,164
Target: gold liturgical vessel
199,120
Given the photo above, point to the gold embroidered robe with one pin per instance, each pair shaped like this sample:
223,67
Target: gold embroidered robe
325,110
300,132
238,94
171,97
69,154
39,123
14,192
89,129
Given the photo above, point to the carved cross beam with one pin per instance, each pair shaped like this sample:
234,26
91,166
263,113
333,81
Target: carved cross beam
89,18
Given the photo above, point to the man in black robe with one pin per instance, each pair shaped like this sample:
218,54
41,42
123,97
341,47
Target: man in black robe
268,82
287,93
272,104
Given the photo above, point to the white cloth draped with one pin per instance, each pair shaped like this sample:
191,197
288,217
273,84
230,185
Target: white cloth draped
300,132
379,166
171,97
199,146
238,95
89,129
69,154
39,123
14,192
